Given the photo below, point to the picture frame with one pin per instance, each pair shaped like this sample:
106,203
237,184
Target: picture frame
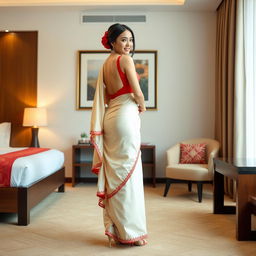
90,62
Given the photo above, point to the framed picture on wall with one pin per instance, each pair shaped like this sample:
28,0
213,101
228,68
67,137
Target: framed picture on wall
89,66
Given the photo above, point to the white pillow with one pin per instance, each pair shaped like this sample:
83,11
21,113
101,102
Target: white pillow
5,133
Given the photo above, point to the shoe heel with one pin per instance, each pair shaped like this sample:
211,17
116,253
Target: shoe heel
109,242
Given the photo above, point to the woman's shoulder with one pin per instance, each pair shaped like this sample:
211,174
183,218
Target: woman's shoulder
126,57
126,60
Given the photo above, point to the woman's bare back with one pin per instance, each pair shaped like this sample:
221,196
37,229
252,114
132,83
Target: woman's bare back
111,76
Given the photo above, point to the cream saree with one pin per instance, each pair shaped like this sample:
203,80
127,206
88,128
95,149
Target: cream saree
115,134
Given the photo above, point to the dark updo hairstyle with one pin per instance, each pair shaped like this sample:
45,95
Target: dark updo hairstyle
115,30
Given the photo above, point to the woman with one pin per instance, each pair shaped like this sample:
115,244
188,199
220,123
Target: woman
115,133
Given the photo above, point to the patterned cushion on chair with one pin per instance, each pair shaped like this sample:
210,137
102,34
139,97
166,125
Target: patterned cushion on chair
193,153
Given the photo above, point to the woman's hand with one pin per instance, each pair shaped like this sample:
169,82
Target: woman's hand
141,109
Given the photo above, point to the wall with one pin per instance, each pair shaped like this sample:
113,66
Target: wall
186,65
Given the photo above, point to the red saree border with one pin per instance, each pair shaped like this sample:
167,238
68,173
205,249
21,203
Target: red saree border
96,132
96,167
102,195
130,241
126,179
101,204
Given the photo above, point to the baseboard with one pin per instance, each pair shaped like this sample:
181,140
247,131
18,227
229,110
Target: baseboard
146,180
94,180
82,180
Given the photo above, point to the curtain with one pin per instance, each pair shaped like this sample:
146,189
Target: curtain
224,82
245,80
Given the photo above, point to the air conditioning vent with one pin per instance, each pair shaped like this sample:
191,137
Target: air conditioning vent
112,18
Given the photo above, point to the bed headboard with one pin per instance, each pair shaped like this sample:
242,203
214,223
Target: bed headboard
18,81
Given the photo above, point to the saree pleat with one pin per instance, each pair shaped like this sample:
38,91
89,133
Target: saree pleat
117,160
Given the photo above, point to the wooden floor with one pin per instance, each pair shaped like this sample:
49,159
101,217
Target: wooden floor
70,224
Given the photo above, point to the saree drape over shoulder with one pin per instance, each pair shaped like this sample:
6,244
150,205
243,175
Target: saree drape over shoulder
115,134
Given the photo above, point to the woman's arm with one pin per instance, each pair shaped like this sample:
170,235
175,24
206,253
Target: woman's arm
129,69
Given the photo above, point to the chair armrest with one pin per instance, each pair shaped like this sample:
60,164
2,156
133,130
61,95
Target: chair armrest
214,153
173,154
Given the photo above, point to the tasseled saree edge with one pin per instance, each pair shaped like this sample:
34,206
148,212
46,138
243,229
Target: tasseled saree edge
98,111
129,241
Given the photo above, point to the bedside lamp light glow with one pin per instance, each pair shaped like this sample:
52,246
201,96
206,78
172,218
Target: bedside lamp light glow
35,117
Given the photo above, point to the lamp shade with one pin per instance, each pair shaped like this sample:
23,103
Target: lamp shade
35,117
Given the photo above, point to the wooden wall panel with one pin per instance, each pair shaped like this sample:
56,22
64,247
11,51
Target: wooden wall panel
18,81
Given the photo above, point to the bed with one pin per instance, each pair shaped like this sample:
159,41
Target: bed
33,178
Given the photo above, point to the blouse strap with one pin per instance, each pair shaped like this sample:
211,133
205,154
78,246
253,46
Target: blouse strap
118,65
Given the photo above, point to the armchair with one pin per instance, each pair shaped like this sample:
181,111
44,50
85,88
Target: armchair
191,173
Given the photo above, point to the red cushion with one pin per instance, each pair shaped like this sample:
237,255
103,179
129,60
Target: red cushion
193,153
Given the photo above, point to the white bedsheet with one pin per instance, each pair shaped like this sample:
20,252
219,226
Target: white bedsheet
26,170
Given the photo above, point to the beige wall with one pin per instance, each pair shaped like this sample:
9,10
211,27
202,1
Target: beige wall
185,42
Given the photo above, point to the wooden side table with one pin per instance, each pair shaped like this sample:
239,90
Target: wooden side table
83,153
148,157
82,157
244,172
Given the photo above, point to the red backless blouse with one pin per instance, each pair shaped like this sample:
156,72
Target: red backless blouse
126,86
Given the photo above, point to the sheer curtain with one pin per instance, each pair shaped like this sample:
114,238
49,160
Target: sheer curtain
250,75
245,80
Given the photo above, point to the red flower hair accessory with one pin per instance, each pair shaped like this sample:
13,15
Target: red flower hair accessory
104,41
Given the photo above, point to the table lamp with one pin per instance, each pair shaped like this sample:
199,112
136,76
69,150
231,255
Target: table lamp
35,117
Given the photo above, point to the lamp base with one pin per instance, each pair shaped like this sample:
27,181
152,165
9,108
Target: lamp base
34,140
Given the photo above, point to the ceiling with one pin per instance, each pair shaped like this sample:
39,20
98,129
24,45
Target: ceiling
150,5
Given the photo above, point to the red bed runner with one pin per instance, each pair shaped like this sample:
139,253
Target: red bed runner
7,160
